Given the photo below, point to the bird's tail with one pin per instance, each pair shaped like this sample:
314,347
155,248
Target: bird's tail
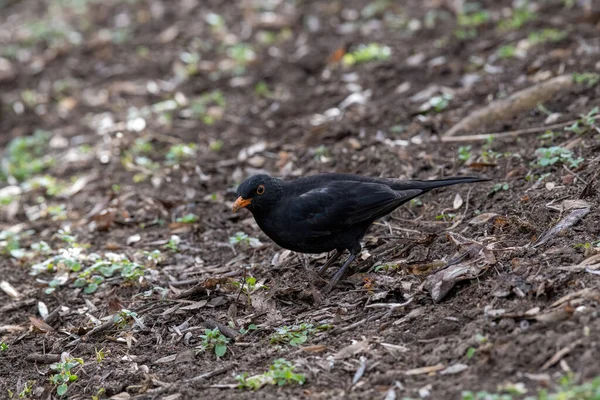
436,183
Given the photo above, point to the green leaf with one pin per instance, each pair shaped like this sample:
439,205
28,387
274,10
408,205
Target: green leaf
91,288
62,389
471,352
220,350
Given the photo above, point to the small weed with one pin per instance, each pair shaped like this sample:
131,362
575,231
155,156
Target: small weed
3,346
242,54
251,327
180,152
468,23
507,51
587,78
262,89
216,145
449,216
142,145
556,154
292,335
240,238
416,203
100,355
173,243
498,187
321,153
585,123
471,352
546,35
63,376
208,108
213,339
464,153
280,373
250,285
188,219
520,16
366,53
124,317
25,157
437,103
27,390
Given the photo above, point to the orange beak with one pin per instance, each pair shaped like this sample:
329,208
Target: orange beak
240,203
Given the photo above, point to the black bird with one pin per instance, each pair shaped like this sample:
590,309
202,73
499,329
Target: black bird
325,212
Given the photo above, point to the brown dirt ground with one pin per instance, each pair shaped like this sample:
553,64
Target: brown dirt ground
77,84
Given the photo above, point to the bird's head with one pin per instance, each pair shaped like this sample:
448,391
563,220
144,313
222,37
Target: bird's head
259,192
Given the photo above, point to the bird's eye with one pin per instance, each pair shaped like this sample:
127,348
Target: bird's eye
260,189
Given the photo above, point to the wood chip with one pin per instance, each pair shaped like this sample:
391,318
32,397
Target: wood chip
425,370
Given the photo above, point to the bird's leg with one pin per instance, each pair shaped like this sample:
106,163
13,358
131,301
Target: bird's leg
331,260
339,274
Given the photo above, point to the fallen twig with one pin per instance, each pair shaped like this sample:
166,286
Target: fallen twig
520,101
561,353
504,135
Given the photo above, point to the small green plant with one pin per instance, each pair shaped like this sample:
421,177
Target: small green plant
25,157
251,327
587,78
209,107
250,285
498,187
520,16
262,89
240,238
464,153
3,346
293,335
471,352
507,51
64,375
57,212
142,145
180,152
448,216
27,391
468,22
556,154
438,103
216,145
321,153
280,373
546,35
100,355
173,243
366,53
188,219
124,317
213,339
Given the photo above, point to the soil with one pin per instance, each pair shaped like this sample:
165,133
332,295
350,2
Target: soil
91,80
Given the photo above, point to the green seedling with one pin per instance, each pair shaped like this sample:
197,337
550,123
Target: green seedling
293,335
498,187
213,339
552,155
280,373
188,219
64,375
464,153
173,243
367,53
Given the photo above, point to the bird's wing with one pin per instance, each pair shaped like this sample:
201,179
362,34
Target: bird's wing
339,205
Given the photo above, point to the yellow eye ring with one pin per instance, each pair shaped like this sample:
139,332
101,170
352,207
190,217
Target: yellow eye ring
260,189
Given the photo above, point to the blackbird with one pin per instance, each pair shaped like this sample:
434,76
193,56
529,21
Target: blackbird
325,212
